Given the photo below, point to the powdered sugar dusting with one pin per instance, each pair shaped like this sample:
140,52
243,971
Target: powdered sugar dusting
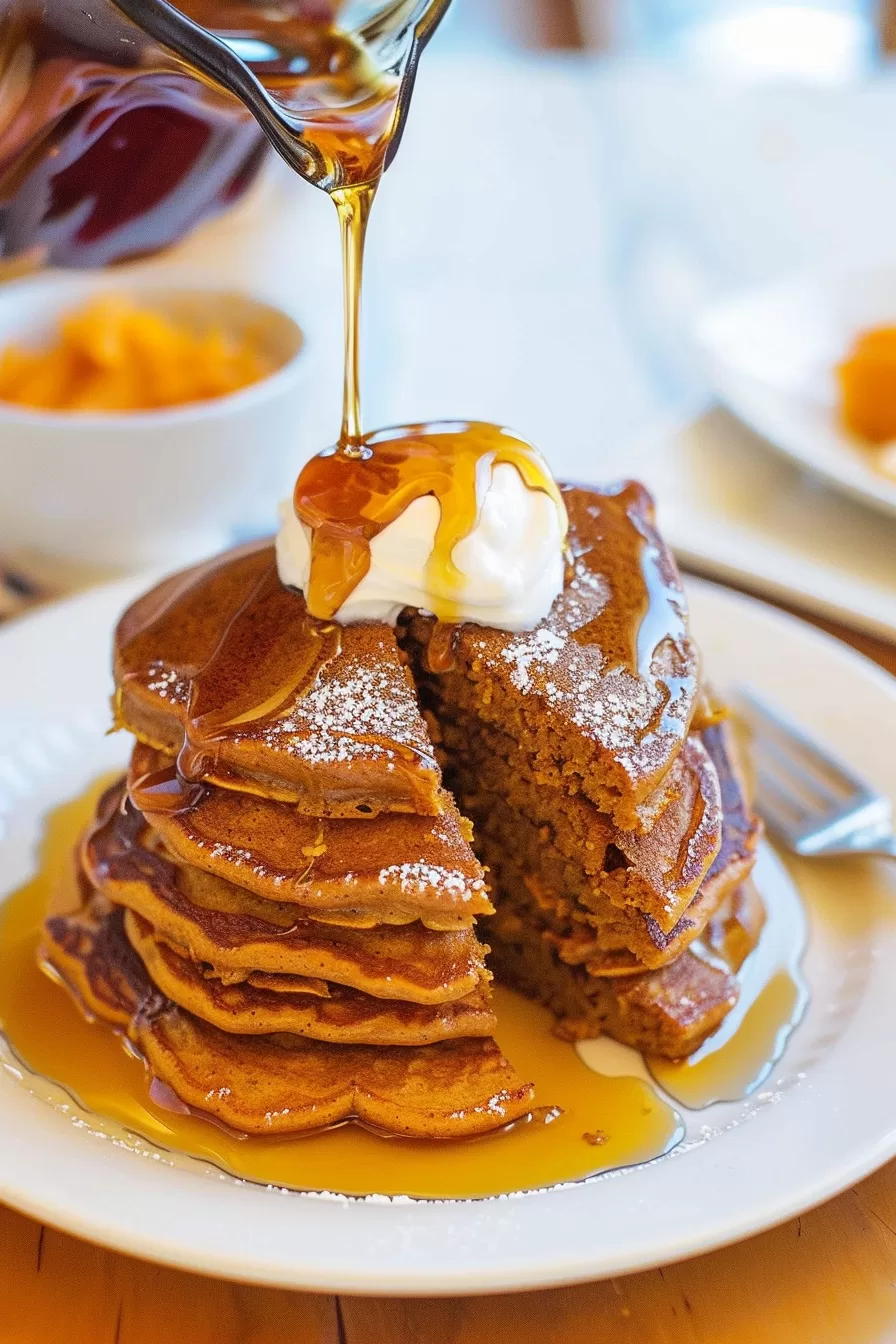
167,684
357,709
416,879
633,715
531,653
614,709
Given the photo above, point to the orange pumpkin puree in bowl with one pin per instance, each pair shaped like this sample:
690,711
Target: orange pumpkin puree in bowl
867,381
113,355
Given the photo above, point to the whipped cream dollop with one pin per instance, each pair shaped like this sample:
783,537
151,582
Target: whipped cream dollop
510,565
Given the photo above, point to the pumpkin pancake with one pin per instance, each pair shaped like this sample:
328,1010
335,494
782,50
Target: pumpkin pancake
223,665
600,695
620,877
540,843
668,1012
341,870
287,1085
229,928
280,1084
342,1016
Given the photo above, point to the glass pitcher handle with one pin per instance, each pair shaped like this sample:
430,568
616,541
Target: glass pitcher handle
213,58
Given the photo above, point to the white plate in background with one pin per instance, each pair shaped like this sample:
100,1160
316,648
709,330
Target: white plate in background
733,508
824,1118
771,356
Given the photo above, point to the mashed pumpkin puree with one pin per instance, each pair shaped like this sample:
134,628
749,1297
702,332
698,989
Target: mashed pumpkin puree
112,355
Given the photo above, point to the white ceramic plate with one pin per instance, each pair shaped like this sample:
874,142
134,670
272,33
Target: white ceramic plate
825,1117
771,356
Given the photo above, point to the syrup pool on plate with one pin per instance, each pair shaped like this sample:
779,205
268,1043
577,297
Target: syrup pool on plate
773,998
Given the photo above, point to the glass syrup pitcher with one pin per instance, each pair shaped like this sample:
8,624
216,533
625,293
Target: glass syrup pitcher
122,125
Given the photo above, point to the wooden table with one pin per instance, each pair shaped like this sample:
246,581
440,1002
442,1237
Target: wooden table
829,1277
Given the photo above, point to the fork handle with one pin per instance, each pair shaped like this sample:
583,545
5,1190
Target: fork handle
886,848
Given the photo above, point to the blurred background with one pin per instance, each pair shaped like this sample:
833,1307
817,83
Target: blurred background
829,36
719,143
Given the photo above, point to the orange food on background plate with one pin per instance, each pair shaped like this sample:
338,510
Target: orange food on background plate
867,379
113,355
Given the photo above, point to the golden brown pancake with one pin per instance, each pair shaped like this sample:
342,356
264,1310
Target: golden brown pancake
229,928
341,870
281,1084
530,846
668,1012
268,700
287,1085
601,694
342,1016
300,884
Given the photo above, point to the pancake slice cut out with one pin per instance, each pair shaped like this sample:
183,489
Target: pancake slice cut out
668,1012
602,692
655,872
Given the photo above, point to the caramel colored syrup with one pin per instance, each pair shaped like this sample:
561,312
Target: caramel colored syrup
623,1118
264,662
353,206
644,609
246,652
347,112
347,500
338,100
441,649
166,791
743,1051
773,998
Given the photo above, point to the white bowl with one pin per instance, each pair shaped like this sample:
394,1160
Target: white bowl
126,490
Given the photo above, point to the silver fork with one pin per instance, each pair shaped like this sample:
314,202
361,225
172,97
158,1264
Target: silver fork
808,798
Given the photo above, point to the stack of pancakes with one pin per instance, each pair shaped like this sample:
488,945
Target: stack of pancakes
281,903
605,796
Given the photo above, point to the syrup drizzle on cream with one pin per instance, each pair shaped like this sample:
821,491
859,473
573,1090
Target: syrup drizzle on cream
348,499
